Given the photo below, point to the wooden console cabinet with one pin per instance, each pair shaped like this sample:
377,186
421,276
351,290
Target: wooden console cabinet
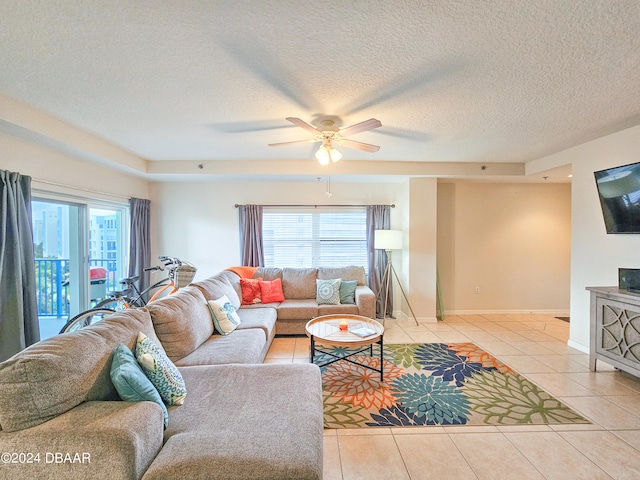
615,328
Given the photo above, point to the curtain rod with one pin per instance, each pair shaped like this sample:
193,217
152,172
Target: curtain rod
393,205
80,189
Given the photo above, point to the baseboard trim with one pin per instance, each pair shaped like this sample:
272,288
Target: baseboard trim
408,318
564,313
578,346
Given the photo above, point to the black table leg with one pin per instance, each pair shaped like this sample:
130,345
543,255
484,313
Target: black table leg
313,349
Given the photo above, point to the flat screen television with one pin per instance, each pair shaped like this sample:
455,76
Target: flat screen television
619,191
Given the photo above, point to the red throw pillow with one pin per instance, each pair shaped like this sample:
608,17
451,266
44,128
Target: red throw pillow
271,291
251,290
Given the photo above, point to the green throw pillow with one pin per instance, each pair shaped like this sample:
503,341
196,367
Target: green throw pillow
348,291
328,291
131,382
164,375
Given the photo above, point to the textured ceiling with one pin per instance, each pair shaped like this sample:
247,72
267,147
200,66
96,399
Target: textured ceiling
451,81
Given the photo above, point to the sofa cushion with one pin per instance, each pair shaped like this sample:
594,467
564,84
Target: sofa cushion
225,318
328,291
271,291
352,272
219,285
268,273
66,370
164,375
338,309
298,309
131,382
182,321
299,283
243,346
228,429
122,439
263,318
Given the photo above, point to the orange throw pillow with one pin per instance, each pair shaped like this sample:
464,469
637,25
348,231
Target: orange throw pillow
251,290
271,291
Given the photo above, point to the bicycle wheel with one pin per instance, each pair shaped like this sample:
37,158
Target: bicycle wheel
85,319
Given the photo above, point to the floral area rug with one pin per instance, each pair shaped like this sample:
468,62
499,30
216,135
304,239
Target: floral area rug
433,384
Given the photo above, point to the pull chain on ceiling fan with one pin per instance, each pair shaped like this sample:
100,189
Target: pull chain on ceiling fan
328,134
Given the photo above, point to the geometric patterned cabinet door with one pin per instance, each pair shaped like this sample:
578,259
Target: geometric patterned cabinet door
615,328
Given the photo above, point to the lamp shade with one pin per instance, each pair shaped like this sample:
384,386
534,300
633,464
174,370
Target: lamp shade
388,239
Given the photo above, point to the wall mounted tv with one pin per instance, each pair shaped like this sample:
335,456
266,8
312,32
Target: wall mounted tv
619,191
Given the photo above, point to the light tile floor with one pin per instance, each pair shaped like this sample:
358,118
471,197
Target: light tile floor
535,346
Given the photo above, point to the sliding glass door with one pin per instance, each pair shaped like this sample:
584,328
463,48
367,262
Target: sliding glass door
80,255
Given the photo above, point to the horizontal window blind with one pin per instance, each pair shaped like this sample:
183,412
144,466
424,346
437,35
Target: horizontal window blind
298,237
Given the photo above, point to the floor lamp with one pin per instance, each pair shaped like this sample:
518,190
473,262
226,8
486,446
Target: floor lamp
389,240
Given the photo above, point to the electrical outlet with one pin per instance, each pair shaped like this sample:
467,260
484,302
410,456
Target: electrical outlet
477,290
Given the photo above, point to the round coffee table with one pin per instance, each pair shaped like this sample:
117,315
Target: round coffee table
360,334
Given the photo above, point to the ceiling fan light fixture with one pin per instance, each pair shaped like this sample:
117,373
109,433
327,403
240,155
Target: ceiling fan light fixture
327,133
334,154
322,155
327,153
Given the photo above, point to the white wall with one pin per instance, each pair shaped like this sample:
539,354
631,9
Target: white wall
596,256
510,241
199,222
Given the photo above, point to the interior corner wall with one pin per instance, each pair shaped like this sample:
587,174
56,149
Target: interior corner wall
419,259
595,255
509,242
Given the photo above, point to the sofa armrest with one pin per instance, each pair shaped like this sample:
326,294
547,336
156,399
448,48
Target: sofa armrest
366,301
98,440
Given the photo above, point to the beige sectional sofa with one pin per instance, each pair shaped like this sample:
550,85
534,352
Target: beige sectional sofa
61,416
299,288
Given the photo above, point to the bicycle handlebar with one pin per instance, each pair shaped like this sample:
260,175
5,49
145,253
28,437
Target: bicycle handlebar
170,262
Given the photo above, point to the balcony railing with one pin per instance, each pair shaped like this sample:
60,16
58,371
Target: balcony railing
52,283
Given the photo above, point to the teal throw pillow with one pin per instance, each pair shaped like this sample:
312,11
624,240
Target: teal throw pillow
224,315
164,375
131,382
348,291
328,291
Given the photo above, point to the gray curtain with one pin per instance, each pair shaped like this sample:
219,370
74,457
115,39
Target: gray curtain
250,223
140,241
379,218
19,325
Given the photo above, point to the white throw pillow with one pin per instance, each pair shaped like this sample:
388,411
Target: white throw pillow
224,315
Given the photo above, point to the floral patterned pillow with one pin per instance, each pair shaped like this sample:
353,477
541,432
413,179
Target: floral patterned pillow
164,375
328,291
250,290
224,315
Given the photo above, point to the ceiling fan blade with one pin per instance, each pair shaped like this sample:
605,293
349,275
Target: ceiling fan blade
310,140
367,147
303,124
361,127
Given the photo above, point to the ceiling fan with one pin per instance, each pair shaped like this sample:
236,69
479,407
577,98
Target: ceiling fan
328,134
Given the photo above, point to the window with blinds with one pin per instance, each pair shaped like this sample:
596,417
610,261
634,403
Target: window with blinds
299,237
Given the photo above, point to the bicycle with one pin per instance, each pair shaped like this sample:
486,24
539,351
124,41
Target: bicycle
180,274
